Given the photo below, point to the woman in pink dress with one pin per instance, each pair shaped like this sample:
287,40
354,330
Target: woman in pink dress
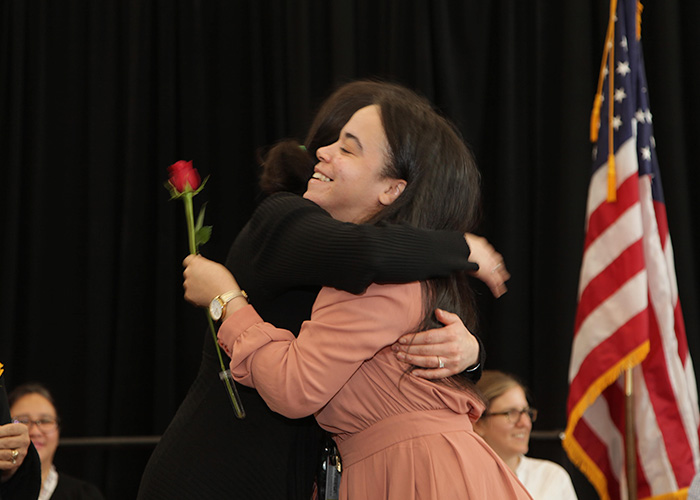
399,436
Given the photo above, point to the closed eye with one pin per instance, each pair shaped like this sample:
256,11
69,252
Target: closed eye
348,138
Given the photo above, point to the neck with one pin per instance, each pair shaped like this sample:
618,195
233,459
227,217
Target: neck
513,462
45,469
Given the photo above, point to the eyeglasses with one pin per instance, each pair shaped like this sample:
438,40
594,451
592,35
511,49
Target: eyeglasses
44,424
513,415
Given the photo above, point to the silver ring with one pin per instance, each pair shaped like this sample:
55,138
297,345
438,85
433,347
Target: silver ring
441,363
15,454
496,267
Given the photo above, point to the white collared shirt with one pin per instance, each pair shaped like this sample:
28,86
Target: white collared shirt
49,485
545,480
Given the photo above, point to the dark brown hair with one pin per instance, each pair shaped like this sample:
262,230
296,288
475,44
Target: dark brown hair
442,190
426,150
31,388
288,165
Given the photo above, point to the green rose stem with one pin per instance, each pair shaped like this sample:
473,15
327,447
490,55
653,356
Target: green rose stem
230,386
189,216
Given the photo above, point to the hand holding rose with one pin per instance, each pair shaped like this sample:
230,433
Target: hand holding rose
184,183
205,279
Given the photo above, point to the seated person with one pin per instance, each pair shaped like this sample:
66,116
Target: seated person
32,405
506,426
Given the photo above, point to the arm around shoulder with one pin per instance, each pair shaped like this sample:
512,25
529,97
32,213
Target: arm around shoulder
294,242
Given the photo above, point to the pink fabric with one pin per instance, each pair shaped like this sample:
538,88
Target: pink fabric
400,436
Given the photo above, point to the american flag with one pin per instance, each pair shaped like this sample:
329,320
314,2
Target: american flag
629,315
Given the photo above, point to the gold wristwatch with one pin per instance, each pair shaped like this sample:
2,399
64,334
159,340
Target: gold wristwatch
217,306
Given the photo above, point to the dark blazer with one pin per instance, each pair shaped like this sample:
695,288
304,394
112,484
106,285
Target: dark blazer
71,488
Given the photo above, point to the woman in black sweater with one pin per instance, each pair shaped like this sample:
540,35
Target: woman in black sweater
287,251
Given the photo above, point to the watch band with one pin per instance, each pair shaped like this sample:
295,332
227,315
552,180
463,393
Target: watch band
227,297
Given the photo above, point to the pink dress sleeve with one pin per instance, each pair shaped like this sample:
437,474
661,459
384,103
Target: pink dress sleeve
298,376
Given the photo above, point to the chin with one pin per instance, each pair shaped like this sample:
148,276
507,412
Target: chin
311,195
522,450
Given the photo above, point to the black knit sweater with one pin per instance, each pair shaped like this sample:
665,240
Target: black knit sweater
287,251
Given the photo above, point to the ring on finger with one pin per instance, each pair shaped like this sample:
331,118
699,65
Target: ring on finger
496,267
15,454
441,363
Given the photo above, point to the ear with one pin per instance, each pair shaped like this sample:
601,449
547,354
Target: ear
393,190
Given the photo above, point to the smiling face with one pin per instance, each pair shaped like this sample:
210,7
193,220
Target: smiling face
349,181
36,407
508,440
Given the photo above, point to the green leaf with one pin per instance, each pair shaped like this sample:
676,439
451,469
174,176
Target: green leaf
201,186
174,193
202,235
200,217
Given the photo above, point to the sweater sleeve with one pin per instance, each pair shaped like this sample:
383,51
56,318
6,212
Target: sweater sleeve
293,242
298,376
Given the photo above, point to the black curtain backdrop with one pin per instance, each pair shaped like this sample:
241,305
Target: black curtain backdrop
98,98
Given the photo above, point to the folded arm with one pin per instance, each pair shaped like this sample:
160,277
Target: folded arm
454,344
297,377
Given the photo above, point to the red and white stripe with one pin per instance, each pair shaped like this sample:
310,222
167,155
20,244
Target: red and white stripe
629,316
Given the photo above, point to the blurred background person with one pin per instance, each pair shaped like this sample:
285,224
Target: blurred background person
506,424
31,404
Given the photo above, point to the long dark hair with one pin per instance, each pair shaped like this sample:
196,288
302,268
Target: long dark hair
287,166
442,188
426,150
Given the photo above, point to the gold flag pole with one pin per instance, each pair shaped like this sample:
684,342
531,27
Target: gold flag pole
630,438
630,431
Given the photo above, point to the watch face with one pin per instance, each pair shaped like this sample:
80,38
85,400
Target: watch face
215,309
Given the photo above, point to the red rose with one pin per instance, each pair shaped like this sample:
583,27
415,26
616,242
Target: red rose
181,174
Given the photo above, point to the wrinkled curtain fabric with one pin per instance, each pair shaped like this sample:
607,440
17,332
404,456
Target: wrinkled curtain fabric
98,98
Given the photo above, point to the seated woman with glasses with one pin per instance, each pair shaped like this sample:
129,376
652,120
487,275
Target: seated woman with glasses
32,405
506,426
